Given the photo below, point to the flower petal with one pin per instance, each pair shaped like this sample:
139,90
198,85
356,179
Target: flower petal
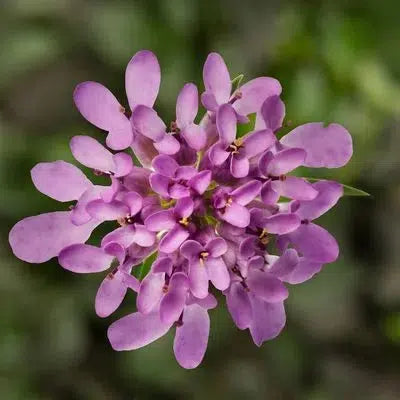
124,236
184,207
173,302
92,154
100,107
120,137
173,239
281,223
239,305
150,292
209,302
303,271
294,188
254,92
191,249
143,237
226,124
195,136
216,247
123,164
38,239
191,338
285,161
165,165
240,166
187,105
185,172
136,330
209,101
273,112
247,247
244,194
218,273
257,142
110,294
329,193
79,215
162,264
110,192
142,79
160,184
167,145
143,148
147,122
60,180
178,191
217,154
266,286
314,243
268,195
285,264
84,259
236,215
328,147
160,221
198,279
111,211
216,78
200,181
268,320
134,201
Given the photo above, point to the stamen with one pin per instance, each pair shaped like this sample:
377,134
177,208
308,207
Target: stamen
263,237
184,221
174,127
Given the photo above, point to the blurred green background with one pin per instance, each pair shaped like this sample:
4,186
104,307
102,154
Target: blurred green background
338,61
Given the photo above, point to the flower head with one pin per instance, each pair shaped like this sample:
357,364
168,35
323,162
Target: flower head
206,206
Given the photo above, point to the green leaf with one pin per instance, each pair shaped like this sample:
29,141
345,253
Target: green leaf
236,82
243,129
144,268
347,190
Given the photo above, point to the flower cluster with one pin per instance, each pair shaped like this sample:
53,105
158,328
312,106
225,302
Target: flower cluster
215,210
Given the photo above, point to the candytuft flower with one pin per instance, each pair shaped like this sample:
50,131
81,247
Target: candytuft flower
206,206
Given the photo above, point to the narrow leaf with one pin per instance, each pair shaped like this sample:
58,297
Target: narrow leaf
237,81
347,190
144,268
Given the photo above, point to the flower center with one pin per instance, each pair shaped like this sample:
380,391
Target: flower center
184,221
203,257
264,237
236,145
129,220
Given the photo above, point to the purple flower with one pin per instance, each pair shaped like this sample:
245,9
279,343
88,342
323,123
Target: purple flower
316,245
206,263
99,106
255,298
230,205
173,181
206,205
83,258
238,151
248,99
176,221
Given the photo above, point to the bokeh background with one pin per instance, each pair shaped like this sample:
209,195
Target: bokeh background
338,61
